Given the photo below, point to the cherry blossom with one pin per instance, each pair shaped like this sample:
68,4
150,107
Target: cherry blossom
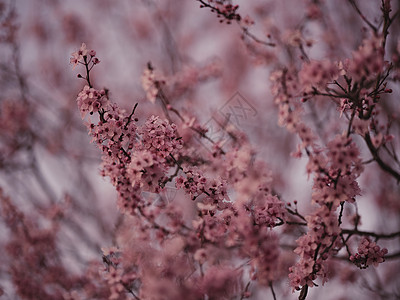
220,151
368,253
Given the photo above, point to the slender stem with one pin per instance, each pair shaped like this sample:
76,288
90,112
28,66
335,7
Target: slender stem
272,290
393,256
345,244
296,223
354,4
87,71
369,233
245,290
132,113
303,293
353,113
256,39
374,151
341,212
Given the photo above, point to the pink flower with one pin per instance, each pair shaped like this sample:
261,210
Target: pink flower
361,126
200,255
316,74
90,100
368,59
150,85
377,140
369,253
220,282
78,55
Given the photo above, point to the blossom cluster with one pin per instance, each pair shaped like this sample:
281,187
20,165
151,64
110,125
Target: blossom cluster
82,55
263,248
368,59
195,183
205,210
90,100
368,253
224,9
160,137
314,248
230,230
267,210
14,128
151,84
139,158
317,74
336,167
36,258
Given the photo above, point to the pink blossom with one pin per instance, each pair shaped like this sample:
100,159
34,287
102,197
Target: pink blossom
150,84
369,253
317,74
78,55
368,59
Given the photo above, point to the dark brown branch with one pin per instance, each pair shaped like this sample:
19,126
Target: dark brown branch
341,213
374,151
372,26
247,33
393,256
373,234
272,290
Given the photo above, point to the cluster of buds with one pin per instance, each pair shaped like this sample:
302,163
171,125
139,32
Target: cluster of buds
226,12
368,253
88,56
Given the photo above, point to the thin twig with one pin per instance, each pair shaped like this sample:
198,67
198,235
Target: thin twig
354,4
373,234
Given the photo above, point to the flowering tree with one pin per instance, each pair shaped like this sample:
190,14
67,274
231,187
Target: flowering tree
209,216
